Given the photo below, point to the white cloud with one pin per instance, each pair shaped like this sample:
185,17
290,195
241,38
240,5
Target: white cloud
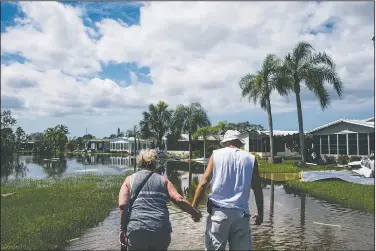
52,36
196,51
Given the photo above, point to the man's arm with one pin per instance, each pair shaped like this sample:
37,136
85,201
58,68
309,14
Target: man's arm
203,185
257,190
124,197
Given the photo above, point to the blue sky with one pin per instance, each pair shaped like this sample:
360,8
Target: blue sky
98,65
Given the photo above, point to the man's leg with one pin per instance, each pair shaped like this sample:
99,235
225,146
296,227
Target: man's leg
217,229
240,234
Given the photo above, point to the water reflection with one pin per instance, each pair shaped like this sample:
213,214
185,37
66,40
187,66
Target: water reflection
12,168
54,169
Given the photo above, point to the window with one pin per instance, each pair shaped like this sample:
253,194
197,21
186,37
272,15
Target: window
316,143
353,150
372,142
342,145
279,145
117,146
363,143
333,143
255,146
100,145
324,144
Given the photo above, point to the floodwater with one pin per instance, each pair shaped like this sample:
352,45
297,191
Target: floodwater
291,221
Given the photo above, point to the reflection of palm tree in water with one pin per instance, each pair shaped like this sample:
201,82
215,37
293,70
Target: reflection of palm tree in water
12,166
174,176
55,168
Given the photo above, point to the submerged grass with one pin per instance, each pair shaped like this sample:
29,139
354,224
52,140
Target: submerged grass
356,196
288,166
46,214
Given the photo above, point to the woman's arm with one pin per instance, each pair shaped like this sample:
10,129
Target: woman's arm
178,200
124,197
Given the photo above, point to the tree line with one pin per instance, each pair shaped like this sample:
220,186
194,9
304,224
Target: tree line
157,122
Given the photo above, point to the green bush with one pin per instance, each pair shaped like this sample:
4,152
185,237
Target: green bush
329,159
343,159
257,155
355,158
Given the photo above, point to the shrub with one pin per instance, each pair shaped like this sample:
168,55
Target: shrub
257,155
329,159
343,159
355,158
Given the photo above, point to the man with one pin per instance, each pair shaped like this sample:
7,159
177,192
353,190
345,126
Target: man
232,172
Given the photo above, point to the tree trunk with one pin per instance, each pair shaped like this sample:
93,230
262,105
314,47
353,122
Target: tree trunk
301,131
204,149
270,120
135,141
190,145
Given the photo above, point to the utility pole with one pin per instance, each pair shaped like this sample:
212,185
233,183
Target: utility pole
134,136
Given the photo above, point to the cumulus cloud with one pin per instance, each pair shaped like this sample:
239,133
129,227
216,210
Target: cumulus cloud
196,51
52,36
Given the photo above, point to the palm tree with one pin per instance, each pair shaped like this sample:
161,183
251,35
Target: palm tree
155,122
314,69
258,88
61,132
205,132
190,118
57,137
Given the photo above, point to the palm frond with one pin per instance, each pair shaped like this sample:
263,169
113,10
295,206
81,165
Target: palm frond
322,58
315,80
302,51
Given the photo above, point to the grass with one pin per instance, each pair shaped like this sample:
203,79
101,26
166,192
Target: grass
46,214
288,167
356,196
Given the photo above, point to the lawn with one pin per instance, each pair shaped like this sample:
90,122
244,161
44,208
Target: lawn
46,214
288,167
356,196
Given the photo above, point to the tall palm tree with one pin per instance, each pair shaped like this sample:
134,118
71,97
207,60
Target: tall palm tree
314,69
205,132
258,88
156,121
189,118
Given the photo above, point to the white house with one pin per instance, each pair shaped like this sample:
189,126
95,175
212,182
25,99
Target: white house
345,137
126,144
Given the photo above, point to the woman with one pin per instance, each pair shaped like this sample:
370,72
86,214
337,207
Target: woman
149,226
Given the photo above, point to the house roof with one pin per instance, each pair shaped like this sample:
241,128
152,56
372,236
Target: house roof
365,122
126,139
98,140
184,137
372,119
280,132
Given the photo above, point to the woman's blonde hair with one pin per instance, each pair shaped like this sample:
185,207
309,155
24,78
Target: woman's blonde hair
147,158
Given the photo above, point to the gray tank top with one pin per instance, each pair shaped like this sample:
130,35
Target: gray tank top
149,211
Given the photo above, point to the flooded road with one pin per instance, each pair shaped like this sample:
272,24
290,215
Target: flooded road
291,221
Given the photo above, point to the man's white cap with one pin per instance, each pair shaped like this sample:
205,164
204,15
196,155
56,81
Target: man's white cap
231,135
